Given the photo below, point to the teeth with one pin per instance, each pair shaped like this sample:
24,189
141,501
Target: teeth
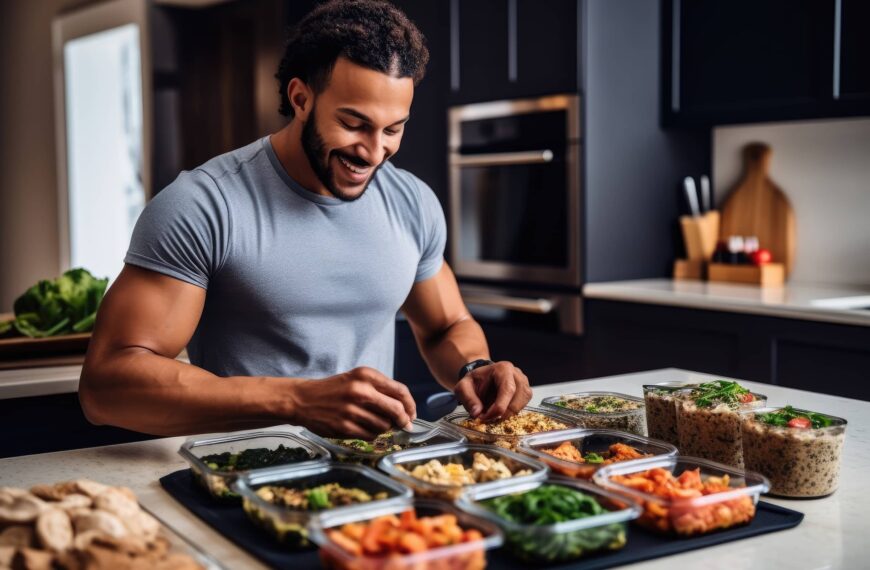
351,167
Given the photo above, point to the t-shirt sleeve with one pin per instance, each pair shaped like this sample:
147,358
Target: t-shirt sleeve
434,233
184,231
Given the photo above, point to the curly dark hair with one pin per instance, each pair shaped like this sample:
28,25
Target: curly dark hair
371,33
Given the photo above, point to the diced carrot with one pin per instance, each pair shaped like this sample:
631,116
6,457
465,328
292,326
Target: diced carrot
376,528
408,519
412,542
353,530
345,543
471,535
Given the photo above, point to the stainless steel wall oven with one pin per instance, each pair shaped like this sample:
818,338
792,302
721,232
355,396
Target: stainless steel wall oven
515,207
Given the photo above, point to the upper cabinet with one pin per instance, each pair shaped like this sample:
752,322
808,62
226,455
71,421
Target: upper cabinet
512,48
749,61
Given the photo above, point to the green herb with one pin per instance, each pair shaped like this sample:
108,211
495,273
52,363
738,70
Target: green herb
358,444
788,413
318,498
551,504
64,305
591,408
593,457
255,458
709,394
562,403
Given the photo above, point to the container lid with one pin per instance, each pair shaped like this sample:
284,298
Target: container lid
470,500
755,483
390,463
317,452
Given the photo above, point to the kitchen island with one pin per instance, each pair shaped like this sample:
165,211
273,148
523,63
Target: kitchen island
834,533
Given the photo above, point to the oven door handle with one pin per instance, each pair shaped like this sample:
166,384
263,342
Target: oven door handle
538,306
502,158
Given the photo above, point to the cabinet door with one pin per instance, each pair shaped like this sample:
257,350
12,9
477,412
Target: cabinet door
479,50
853,82
546,47
744,60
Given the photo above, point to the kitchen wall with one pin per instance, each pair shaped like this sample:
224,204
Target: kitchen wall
824,168
29,248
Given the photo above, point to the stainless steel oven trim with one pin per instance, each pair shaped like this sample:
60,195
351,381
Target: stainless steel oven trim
570,275
500,158
567,307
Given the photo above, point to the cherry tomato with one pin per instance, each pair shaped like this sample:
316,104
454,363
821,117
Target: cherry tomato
746,398
761,257
801,423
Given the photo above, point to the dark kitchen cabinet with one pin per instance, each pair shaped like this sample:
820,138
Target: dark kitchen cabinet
747,61
823,357
502,49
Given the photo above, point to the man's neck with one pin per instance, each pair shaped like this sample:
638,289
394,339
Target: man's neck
288,147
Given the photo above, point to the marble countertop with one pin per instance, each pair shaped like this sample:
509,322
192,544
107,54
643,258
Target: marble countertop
797,301
833,534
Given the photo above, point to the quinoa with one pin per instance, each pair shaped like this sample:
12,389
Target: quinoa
799,462
661,410
526,422
603,410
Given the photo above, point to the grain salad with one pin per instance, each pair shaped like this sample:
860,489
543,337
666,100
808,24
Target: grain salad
602,410
661,409
708,421
507,432
798,450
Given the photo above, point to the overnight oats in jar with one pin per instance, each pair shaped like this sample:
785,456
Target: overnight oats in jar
708,420
661,409
799,451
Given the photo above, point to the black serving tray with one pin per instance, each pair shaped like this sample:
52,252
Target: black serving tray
231,521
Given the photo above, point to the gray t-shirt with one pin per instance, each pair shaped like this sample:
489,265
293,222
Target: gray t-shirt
298,284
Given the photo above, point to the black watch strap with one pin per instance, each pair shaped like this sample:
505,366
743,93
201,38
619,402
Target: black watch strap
472,365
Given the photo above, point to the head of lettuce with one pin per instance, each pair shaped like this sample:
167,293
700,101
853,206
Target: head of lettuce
52,307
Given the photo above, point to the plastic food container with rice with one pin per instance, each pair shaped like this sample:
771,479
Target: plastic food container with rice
508,433
686,496
216,462
369,452
799,451
422,535
555,520
444,472
581,452
602,410
282,500
661,409
708,420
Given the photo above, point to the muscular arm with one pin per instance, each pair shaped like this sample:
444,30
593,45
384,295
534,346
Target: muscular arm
448,338
131,379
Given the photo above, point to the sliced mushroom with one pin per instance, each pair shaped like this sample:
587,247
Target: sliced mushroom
6,555
88,487
106,523
150,526
74,501
54,530
17,536
32,559
119,504
49,492
20,509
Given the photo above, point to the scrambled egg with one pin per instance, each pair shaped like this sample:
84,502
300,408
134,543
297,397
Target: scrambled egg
482,469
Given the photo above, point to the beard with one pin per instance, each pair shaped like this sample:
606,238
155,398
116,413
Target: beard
319,159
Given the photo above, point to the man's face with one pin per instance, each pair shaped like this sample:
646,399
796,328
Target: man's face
356,124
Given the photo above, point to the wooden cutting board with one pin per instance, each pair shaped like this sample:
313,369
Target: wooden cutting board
758,207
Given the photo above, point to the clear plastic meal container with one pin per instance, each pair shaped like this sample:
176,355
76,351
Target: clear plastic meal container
289,525
799,462
714,432
440,436
179,544
462,556
631,421
460,453
508,441
694,515
563,541
586,441
661,410
219,483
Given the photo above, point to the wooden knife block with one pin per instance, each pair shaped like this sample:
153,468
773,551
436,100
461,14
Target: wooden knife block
700,235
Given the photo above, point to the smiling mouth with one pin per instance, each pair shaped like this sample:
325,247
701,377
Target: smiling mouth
352,167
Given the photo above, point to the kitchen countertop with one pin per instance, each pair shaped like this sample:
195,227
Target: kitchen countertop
794,301
833,534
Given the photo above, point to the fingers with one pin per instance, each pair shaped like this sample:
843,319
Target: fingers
465,393
370,424
369,394
506,387
523,394
391,388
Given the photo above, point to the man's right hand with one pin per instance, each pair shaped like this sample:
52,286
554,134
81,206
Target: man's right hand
361,403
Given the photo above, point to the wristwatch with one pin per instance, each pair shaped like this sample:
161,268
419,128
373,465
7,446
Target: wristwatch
465,370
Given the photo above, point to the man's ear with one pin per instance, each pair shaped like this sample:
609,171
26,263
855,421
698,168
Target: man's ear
301,98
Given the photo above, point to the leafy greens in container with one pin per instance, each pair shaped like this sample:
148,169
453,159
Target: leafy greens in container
65,305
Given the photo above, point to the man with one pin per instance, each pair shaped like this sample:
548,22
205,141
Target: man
281,265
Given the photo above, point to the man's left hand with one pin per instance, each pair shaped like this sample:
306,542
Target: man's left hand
493,392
